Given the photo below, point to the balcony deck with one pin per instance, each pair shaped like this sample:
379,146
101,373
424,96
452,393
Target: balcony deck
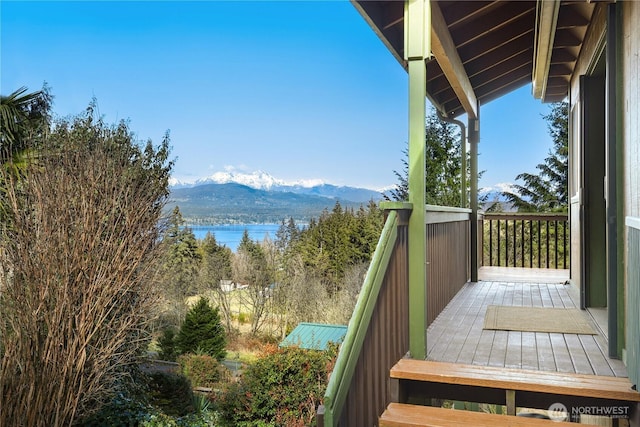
457,334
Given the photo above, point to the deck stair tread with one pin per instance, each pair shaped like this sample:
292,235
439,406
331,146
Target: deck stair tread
405,415
570,384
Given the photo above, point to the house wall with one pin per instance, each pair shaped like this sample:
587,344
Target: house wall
630,121
630,51
592,47
629,139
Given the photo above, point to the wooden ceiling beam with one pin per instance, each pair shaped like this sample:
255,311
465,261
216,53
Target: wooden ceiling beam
513,47
492,23
460,12
444,49
563,55
521,27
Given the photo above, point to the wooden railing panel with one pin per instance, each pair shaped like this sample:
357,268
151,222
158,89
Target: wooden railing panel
526,240
386,342
377,338
447,264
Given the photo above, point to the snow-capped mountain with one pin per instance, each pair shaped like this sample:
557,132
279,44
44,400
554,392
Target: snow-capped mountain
261,180
258,179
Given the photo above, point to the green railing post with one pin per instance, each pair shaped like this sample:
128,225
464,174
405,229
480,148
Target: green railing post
417,49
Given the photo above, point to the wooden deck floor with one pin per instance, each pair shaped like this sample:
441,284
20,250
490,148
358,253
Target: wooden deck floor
457,334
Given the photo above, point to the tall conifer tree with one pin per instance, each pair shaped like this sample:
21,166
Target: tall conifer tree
548,190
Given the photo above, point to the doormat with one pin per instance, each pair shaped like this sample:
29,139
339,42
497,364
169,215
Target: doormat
537,319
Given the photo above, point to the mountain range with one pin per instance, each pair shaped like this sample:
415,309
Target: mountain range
258,198
238,198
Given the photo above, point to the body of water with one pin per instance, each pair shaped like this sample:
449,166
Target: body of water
230,235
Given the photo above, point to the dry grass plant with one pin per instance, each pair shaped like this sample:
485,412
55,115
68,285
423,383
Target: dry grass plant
77,283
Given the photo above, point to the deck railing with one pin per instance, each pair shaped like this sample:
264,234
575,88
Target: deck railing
377,336
448,266
378,332
531,240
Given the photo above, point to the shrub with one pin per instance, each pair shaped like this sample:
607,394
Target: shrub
171,393
167,344
202,331
283,387
201,369
80,247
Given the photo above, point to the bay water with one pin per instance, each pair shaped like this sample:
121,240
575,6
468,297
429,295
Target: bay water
231,234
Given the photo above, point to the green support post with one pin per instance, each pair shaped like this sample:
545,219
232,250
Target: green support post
417,49
474,138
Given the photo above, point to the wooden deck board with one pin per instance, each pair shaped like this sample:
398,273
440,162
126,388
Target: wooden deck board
457,335
597,360
513,359
546,360
529,351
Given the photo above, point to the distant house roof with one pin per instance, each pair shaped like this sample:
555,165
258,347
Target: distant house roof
314,336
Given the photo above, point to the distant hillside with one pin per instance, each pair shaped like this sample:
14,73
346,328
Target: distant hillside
233,203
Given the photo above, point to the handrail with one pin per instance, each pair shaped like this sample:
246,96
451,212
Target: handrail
439,208
549,216
443,214
351,347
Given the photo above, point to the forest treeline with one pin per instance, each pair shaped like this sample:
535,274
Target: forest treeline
310,274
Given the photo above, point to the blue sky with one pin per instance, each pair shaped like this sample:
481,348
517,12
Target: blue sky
300,90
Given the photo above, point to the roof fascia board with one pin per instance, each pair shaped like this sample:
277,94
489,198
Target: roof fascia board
379,33
546,22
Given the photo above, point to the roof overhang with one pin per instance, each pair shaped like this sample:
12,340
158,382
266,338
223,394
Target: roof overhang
483,50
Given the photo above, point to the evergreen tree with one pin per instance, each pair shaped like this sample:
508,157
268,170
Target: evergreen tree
215,268
287,234
202,331
167,344
338,240
216,258
443,165
182,257
547,191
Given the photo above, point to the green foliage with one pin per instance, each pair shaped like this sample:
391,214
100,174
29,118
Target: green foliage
171,393
548,190
216,259
182,258
443,165
339,239
201,369
167,344
24,120
202,331
168,401
122,410
283,387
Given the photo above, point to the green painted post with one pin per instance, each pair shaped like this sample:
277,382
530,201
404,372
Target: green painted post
417,49
474,138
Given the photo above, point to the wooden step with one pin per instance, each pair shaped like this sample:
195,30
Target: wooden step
403,415
556,383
